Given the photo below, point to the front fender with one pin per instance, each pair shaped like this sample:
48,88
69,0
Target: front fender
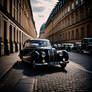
52,54
65,55
62,54
35,55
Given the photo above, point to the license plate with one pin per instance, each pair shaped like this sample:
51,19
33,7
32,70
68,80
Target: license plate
51,63
54,63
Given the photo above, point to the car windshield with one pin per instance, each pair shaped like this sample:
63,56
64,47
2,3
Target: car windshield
38,43
90,40
87,40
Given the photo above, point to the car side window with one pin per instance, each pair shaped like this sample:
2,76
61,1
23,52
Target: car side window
27,44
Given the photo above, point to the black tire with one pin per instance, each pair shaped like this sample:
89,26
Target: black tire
82,52
89,52
63,66
66,58
21,54
33,65
21,61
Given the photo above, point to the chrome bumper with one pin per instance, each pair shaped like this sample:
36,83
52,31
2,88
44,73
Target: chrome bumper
51,63
41,64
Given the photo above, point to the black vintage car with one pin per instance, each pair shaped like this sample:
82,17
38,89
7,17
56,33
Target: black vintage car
40,52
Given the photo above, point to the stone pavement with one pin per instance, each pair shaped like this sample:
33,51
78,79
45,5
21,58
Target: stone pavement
54,79
23,78
6,63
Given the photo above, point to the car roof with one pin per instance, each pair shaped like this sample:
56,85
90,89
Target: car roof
36,39
87,38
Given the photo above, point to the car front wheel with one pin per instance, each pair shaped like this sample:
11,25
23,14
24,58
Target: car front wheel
33,64
63,65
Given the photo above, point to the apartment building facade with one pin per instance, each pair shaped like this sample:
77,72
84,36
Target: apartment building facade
70,21
16,25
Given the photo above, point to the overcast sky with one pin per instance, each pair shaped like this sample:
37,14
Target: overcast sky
41,10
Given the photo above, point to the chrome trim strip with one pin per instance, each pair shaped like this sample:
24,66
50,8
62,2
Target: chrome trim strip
40,64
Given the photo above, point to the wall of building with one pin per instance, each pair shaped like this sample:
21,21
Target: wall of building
16,25
71,23
42,31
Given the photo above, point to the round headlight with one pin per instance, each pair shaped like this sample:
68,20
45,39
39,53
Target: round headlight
64,59
43,54
60,54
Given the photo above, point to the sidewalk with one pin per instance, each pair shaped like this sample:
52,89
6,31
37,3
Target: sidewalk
6,63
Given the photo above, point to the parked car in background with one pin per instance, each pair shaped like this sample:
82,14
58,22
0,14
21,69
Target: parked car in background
40,52
68,46
57,46
86,45
78,46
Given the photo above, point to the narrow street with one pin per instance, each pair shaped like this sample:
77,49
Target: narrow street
77,77
84,60
42,32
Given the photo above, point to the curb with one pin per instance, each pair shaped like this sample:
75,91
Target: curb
6,71
8,68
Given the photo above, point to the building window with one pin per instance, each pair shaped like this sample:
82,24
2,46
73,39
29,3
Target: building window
72,34
72,18
76,2
14,9
88,31
69,35
77,34
5,4
66,36
11,7
68,8
17,10
20,36
20,14
5,30
10,32
14,34
17,36
63,36
81,13
88,12
82,32
62,13
68,20
77,16
72,6
65,22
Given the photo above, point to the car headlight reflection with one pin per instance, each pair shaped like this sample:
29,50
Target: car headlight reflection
43,54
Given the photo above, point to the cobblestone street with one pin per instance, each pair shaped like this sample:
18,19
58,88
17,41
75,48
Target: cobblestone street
23,78
45,45
53,79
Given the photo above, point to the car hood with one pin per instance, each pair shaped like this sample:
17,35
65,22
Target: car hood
37,48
